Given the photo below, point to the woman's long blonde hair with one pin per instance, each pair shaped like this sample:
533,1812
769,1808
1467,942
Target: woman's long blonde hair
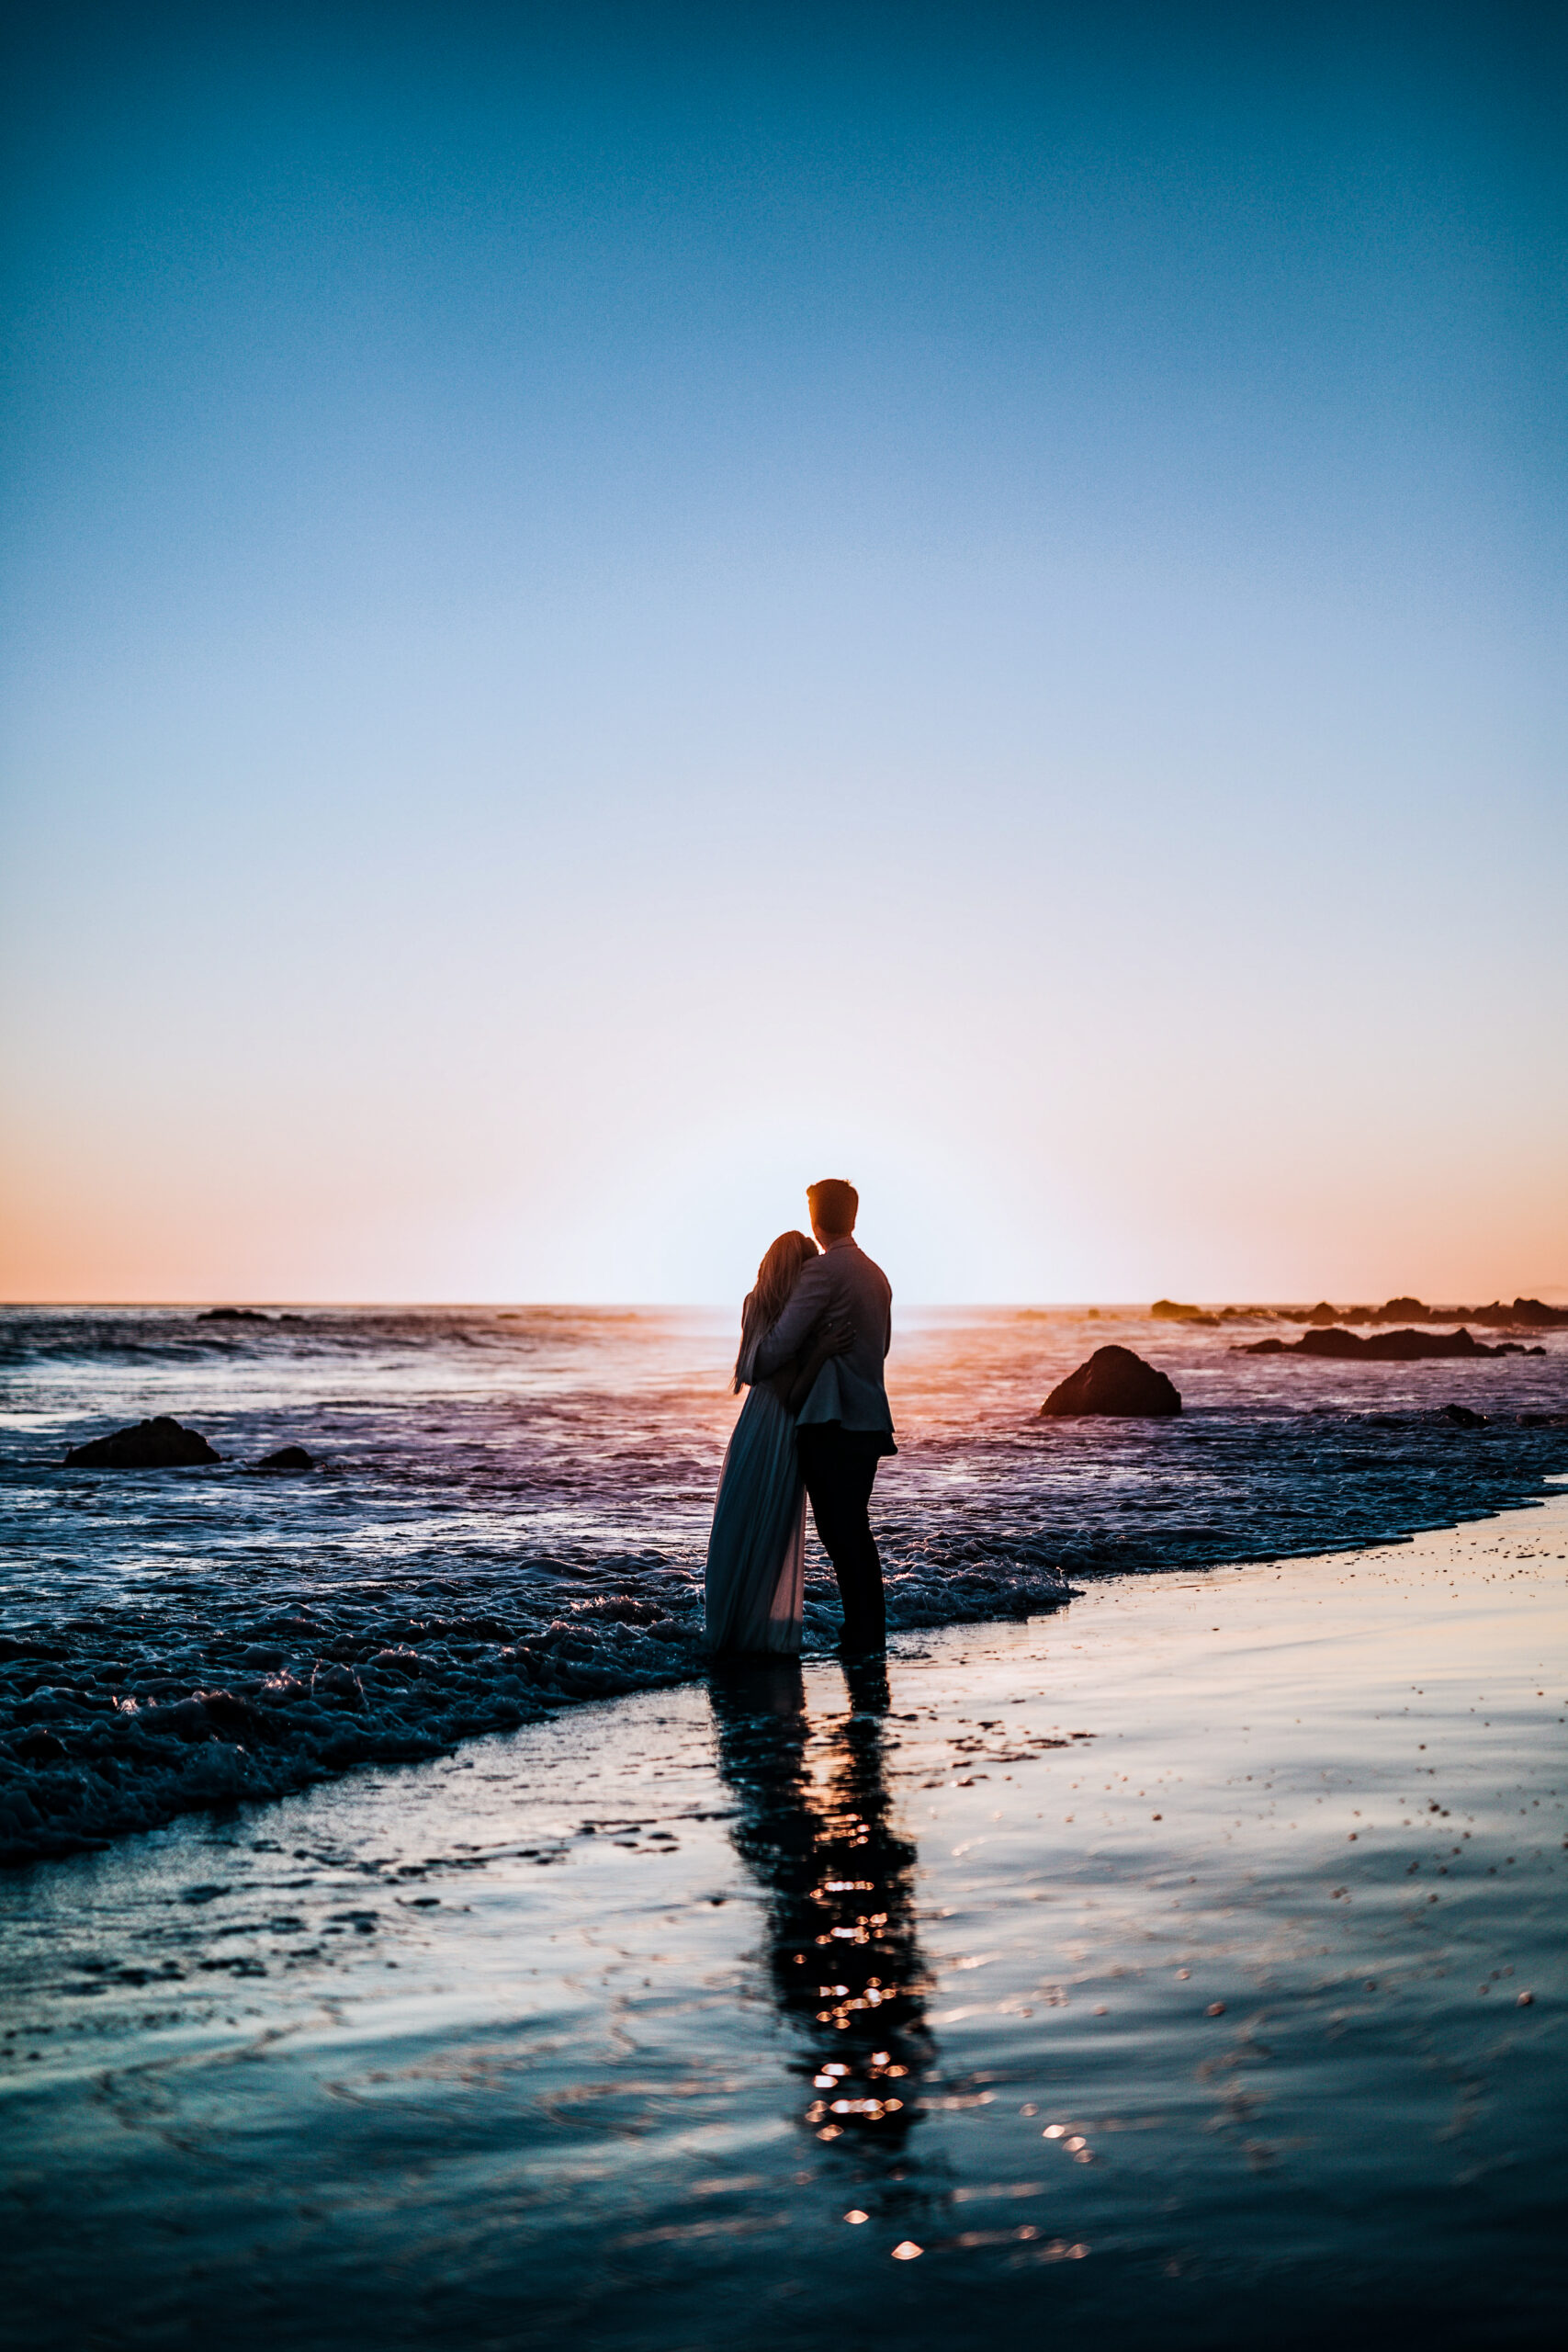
776,1276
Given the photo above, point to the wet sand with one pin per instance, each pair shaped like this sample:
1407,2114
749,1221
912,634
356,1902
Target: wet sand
1185,1965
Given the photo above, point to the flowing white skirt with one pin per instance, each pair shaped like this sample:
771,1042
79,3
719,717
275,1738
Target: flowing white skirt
756,1570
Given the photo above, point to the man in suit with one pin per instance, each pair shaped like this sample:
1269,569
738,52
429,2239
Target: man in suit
845,1427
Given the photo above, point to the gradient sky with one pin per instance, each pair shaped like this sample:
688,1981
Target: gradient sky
610,609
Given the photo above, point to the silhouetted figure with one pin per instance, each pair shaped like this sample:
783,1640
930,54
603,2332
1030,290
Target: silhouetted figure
755,1582
843,1425
815,1831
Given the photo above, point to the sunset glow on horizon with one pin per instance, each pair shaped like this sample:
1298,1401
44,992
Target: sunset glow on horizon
608,614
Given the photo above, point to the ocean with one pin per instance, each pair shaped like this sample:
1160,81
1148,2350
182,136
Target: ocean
508,1512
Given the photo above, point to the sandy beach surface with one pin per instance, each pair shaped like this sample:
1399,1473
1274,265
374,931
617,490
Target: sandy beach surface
1185,1964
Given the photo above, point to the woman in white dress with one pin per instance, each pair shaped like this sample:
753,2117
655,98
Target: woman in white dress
756,1565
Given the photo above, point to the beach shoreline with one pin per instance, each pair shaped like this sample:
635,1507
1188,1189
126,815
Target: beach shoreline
1245,1885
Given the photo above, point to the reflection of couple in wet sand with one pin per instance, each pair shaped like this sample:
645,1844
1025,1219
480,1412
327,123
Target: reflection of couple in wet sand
813,1336
814,1829
814,1823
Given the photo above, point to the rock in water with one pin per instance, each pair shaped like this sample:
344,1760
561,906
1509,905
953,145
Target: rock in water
232,1315
158,1444
287,1457
1412,1346
1113,1381
1533,1311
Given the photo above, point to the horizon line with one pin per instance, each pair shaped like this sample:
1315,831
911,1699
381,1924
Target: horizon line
1543,1292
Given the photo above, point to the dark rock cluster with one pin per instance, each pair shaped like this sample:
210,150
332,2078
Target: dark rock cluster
163,1443
1384,1347
1527,1313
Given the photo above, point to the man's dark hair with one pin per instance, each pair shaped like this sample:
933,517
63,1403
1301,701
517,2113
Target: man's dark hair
834,1205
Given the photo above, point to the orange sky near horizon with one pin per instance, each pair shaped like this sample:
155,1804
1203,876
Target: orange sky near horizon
299,1201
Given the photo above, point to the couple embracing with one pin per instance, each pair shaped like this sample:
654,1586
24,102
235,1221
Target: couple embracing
814,1335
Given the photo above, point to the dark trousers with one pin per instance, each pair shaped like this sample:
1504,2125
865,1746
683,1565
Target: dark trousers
839,1468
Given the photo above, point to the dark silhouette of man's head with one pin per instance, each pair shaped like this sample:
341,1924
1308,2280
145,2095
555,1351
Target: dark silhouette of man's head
834,1206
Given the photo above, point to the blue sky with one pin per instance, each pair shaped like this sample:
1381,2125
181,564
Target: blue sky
612,609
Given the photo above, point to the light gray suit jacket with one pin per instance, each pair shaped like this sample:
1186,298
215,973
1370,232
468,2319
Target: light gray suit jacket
849,1389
